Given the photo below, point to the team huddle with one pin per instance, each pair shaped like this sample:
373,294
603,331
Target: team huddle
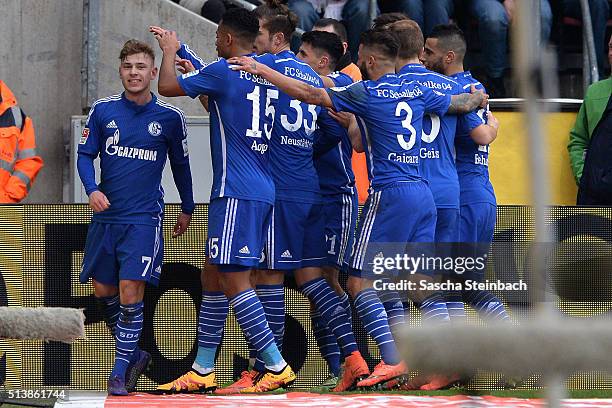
282,131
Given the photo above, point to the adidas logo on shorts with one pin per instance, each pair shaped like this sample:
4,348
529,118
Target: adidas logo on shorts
286,254
244,250
379,255
112,125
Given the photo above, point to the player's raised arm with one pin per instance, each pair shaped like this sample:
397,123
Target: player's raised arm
292,87
168,42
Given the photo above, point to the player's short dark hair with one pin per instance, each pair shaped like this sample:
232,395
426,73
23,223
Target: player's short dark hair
242,23
327,42
133,46
383,40
277,18
388,18
410,37
450,38
336,25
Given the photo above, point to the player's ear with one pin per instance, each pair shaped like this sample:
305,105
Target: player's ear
450,57
323,61
154,72
422,54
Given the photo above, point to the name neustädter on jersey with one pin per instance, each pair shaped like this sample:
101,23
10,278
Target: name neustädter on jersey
302,142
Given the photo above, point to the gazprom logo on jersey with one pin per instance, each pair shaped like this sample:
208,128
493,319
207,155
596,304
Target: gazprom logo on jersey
113,148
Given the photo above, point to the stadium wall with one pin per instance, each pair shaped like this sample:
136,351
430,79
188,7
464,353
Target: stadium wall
41,249
41,60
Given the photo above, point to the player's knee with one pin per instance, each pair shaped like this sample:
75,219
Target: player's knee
104,289
354,286
131,291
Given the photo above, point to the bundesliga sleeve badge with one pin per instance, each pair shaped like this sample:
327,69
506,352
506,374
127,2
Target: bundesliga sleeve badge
84,136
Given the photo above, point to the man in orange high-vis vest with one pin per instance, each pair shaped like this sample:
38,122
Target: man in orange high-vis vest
19,163
346,66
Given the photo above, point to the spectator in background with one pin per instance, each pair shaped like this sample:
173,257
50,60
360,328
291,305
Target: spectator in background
427,13
354,13
600,13
590,143
211,10
19,163
493,17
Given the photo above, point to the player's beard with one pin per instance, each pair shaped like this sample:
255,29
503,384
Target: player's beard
364,72
437,66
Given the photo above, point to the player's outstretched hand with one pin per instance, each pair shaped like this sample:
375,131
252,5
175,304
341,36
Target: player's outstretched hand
492,120
167,40
182,223
98,201
183,65
485,97
247,64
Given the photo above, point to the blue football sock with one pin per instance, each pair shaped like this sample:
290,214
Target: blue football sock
454,305
213,313
374,318
272,298
346,304
327,303
110,310
127,335
327,343
488,306
252,320
433,309
395,309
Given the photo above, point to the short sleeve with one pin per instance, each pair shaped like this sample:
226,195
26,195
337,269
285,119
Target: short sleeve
90,135
435,102
352,98
340,79
210,80
471,121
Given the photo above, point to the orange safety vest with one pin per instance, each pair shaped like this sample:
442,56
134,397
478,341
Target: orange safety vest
19,163
358,160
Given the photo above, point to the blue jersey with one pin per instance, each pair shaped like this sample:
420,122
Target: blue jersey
241,114
390,111
187,53
333,149
291,146
133,142
438,138
472,159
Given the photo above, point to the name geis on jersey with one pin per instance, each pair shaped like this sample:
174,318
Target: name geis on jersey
113,148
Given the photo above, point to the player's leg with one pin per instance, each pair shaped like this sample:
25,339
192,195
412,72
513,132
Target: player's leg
214,308
447,235
477,225
246,226
137,254
379,222
340,215
326,301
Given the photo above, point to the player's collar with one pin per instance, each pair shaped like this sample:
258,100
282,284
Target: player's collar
135,107
411,68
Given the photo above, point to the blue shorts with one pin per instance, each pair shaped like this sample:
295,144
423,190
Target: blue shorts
115,252
395,215
236,231
447,225
296,237
340,212
476,226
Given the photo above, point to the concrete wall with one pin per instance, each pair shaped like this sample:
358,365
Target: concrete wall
41,58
